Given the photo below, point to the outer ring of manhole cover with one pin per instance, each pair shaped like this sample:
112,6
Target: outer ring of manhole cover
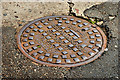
63,41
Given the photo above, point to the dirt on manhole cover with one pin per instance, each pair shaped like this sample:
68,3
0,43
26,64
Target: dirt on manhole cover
63,41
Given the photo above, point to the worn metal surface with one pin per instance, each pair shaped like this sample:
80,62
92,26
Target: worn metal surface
63,41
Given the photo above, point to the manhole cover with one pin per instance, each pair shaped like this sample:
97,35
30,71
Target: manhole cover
63,41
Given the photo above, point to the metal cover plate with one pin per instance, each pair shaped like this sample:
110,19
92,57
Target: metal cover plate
63,41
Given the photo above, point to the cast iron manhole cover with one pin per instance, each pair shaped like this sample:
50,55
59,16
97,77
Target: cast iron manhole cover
64,41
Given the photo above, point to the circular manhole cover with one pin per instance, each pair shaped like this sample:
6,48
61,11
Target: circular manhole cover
63,41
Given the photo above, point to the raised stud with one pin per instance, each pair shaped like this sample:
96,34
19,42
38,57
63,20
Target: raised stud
48,37
36,23
60,48
40,52
35,30
90,33
99,40
71,19
85,24
32,34
35,54
67,31
76,59
92,37
56,45
63,27
53,30
57,18
97,35
62,37
58,61
55,56
45,23
96,50
31,43
47,54
71,34
49,59
70,45
31,27
91,53
44,34
78,21
86,28
75,37
59,24
57,34
41,57
50,19
80,25
95,31
92,42
72,55
64,56
27,31
34,48
79,53
98,45
39,26
79,41
30,38
68,61
25,45
84,57
40,30
64,52
65,41
52,41
74,23
75,49
67,22
83,45
64,18
25,35
49,27
24,40
90,46
60,21
29,50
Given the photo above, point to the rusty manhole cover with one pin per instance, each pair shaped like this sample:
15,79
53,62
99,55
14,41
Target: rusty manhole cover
63,41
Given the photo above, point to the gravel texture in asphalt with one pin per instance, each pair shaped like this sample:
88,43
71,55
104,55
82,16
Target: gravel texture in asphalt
16,65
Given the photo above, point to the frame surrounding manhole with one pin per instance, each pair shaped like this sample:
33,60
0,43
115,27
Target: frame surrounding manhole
64,41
